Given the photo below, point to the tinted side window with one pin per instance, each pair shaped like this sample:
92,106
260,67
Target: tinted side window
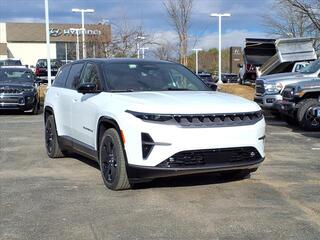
90,75
61,78
74,76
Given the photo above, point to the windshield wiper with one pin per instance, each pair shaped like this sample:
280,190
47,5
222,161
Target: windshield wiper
177,89
121,90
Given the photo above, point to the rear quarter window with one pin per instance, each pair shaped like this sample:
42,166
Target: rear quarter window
74,75
61,78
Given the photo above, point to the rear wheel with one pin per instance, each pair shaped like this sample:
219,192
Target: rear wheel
51,138
112,161
306,118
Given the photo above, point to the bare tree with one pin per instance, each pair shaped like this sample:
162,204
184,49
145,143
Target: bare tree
310,8
179,12
287,21
125,39
165,51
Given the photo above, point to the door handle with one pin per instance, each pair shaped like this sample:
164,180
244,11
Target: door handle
75,100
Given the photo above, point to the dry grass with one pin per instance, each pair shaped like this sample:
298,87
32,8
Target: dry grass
239,90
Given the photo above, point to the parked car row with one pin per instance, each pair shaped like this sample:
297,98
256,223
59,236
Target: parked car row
294,95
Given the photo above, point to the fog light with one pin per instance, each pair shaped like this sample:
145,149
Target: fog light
270,100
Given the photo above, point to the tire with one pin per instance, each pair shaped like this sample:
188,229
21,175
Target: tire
112,161
304,116
51,139
35,109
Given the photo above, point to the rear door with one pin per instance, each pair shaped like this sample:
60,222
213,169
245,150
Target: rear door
85,109
68,96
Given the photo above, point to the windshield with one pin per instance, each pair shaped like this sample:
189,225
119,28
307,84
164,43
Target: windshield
54,63
312,67
151,76
16,75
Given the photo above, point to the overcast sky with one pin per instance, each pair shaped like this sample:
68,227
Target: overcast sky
246,19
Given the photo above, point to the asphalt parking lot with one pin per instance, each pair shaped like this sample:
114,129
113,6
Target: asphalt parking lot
65,198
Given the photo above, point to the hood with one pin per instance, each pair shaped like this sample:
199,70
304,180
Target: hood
279,76
186,102
311,83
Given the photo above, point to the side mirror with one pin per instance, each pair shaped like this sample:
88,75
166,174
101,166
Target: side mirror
240,65
87,88
213,86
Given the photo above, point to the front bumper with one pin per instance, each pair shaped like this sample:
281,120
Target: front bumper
141,172
267,101
24,102
285,107
169,140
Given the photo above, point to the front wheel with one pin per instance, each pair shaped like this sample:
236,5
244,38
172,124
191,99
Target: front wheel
112,161
305,115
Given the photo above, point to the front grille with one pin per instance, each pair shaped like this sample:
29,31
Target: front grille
11,90
259,87
218,120
15,100
212,157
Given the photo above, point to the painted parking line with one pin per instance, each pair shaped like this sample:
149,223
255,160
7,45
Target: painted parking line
315,149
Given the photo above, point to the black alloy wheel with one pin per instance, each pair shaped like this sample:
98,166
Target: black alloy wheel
112,161
109,160
51,139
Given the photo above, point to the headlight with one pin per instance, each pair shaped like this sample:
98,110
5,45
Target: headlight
151,116
273,88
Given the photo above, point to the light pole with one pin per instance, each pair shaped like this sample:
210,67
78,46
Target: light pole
76,30
139,38
197,63
143,51
82,11
220,15
46,7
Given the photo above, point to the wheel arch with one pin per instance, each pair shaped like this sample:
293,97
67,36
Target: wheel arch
105,123
47,112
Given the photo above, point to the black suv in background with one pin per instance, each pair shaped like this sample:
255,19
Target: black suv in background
10,62
41,67
18,89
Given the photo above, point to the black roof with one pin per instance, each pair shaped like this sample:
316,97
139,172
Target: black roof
121,60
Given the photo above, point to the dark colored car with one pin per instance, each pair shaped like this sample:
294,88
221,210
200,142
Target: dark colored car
301,104
18,89
205,76
10,62
41,67
229,78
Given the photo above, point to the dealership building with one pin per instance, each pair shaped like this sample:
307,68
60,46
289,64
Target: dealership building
27,41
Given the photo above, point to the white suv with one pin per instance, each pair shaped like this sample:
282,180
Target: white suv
148,119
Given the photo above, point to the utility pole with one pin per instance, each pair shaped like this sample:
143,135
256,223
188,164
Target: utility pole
83,11
197,62
220,15
143,51
76,30
139,38
46,6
